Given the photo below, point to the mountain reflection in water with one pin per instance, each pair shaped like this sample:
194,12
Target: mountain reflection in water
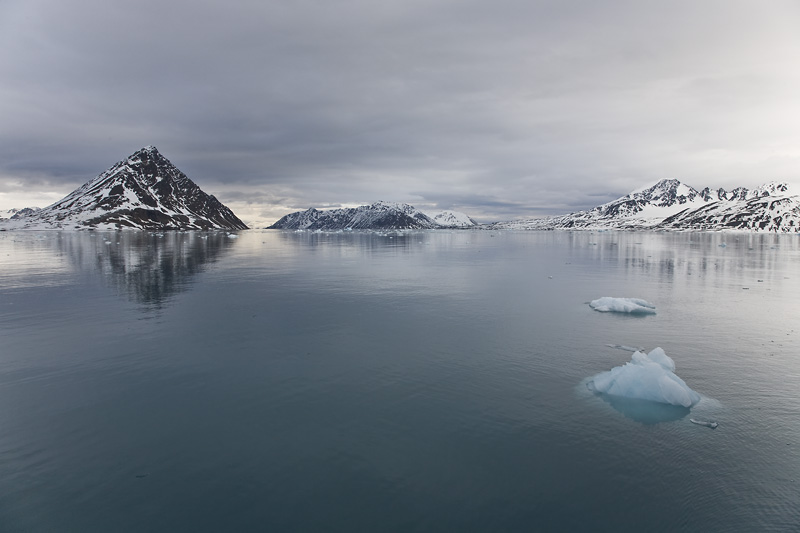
148,268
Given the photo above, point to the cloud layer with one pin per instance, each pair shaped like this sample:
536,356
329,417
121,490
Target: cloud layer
503,110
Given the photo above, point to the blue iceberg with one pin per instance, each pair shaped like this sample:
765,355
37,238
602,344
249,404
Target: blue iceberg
650,377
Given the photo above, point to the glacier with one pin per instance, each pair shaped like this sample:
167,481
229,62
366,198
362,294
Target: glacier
650,377
634,306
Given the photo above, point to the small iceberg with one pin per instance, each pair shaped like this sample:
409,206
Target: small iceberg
634,306
650,377
711,425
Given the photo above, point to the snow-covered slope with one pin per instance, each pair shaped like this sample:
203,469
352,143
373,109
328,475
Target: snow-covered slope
671,205
772,207
380,215
453,219
143,191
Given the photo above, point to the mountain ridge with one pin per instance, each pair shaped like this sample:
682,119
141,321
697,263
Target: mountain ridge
672,205
379,215
146,191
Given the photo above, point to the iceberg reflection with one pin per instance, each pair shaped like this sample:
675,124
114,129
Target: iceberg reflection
645,411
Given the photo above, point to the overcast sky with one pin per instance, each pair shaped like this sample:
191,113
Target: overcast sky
502,109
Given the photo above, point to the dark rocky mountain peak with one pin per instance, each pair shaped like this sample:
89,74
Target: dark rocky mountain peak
144,190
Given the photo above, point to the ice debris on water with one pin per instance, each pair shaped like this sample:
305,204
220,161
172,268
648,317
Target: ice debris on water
625,348
635,306
711,425
648,377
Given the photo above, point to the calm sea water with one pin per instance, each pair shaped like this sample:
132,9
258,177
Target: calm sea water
426,381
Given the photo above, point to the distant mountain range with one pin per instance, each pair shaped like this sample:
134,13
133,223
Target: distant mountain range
671,205
380,215
146,191
143,191
665,205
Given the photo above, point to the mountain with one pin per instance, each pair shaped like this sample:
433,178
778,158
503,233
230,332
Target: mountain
671,205
380,215
143,191
453,219
16,214
772,207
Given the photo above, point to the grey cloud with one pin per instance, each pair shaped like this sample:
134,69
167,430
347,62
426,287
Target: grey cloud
517,107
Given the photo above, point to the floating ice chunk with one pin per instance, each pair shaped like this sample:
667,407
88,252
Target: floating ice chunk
646,377
635,306
711,425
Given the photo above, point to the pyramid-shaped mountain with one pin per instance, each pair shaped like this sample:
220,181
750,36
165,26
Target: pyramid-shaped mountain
143,191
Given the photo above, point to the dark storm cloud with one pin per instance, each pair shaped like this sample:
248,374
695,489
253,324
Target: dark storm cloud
515,107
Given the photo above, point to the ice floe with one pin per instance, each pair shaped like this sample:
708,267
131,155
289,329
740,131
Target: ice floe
649,377
711,425
634,306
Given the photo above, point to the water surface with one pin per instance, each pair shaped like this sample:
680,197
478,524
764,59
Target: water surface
421,381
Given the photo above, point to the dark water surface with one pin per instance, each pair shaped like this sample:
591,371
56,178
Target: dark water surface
428,381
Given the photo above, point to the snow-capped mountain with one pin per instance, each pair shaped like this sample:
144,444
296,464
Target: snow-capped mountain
143,191
671,205
16,214
380,215
772,207
453,219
